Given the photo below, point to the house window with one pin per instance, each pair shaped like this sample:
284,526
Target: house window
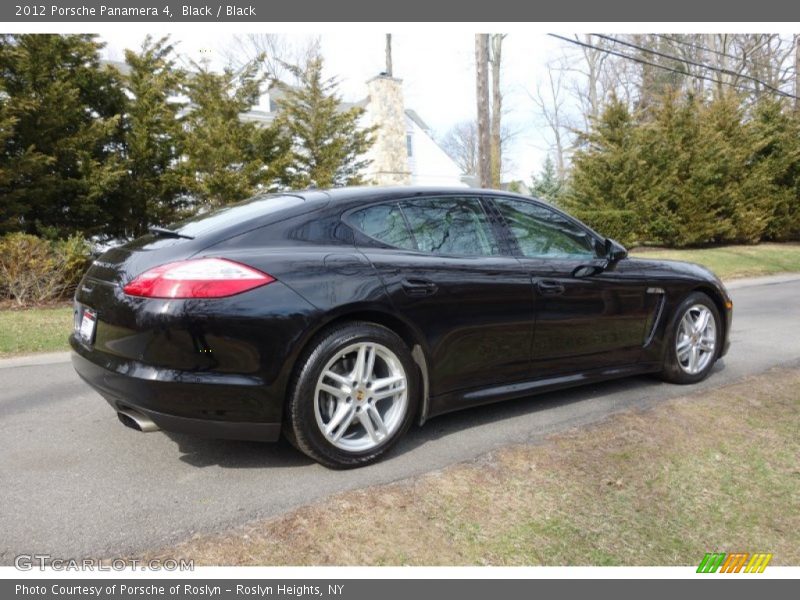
409,145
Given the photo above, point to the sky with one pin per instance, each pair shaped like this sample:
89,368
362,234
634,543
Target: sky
437,69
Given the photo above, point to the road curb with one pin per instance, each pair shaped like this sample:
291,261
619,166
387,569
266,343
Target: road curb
746,282
35,360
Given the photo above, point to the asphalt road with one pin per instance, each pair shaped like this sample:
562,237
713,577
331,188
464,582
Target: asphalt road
75,483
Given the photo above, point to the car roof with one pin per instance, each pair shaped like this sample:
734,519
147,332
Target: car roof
357,195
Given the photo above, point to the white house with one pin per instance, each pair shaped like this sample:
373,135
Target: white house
404,152
428,163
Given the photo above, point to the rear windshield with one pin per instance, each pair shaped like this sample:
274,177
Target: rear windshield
240,212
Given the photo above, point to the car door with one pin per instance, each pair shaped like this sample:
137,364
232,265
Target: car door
582,323
447,271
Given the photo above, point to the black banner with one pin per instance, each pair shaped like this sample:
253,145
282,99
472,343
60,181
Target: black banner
261,11
389,589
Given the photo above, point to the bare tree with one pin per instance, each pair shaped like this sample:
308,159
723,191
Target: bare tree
760,62
275,52
594,60
271,49
550,100
482,93
589,75
461,144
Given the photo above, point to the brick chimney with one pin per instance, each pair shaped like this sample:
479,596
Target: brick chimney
389,154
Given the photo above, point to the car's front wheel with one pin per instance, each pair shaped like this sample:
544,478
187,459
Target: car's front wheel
694,340
353,396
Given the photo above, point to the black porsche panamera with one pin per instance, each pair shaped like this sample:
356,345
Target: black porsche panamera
340,317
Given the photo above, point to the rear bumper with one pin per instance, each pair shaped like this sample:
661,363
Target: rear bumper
205,404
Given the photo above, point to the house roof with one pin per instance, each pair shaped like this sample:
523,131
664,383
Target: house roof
414,116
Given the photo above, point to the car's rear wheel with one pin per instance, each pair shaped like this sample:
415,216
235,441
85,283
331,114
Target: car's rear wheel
694,342
353,396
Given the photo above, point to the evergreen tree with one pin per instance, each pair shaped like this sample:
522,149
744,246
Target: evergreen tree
518,187
686,172
327,143
8,210
153,138
603,185
228,159
547,185
729,192
668,148
700,182
60,134
776,129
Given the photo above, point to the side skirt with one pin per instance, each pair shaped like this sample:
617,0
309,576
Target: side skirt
453,401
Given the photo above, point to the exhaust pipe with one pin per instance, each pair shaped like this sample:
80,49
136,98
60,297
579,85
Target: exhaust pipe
136,420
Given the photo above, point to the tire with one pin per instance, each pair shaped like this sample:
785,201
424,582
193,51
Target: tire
338,424
690,354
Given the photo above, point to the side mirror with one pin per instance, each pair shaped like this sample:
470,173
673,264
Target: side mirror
614,251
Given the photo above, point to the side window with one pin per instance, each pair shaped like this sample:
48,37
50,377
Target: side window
384,222
457,226
543,233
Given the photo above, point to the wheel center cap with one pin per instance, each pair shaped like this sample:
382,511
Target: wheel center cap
360,394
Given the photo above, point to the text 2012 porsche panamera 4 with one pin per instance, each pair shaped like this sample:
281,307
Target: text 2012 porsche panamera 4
340,317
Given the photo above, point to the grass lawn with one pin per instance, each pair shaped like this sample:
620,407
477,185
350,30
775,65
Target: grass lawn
714,471
730,262
34,330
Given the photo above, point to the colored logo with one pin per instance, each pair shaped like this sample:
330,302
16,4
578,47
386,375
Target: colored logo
734,563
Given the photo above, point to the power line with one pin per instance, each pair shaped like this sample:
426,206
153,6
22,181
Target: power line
675,40
743,88
722,70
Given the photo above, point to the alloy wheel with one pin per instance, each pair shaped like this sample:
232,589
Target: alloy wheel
361,397
696,341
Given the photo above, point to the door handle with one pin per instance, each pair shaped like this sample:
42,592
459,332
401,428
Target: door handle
419,287
549,288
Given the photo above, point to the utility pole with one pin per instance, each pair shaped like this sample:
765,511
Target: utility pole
389,54
482,93
497,110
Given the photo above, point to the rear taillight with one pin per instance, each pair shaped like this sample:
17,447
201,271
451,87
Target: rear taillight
198,278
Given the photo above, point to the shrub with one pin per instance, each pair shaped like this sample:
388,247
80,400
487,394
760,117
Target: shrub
620,225
77,255
35,270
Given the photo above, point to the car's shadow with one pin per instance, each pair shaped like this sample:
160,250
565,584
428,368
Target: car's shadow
236,454
203,452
